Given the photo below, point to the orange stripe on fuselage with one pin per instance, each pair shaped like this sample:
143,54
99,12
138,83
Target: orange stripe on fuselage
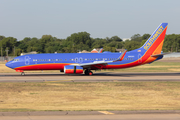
157,51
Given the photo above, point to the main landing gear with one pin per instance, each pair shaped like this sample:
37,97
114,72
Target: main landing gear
88,72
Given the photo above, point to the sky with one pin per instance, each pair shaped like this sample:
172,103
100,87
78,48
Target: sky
100,18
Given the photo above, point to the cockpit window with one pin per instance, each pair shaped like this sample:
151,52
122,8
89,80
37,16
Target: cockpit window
15,59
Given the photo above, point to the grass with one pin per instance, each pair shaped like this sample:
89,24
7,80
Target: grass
62,96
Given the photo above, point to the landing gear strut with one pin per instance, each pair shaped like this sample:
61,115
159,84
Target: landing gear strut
22,73
88,72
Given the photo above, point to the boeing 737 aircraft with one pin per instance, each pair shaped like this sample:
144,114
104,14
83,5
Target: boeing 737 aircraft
77,63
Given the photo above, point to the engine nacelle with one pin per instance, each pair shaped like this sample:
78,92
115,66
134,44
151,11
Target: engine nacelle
71,69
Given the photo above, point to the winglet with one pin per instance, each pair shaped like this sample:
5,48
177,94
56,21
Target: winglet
121,57
100,51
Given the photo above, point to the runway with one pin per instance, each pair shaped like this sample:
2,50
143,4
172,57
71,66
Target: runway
98,117
96,77
89,115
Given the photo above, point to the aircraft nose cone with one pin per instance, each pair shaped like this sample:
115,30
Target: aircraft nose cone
9,64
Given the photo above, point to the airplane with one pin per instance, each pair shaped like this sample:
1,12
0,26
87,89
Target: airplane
79,63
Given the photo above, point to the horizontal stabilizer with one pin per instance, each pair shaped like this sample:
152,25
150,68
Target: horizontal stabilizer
156,55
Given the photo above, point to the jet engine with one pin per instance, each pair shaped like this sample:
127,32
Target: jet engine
71,69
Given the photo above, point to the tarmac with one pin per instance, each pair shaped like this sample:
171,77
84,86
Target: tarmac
92,115
96,77
96,117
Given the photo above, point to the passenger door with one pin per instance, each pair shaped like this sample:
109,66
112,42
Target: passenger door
27,60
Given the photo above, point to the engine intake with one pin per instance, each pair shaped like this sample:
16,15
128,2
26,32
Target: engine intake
71,69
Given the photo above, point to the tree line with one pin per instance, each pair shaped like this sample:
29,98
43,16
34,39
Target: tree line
80,41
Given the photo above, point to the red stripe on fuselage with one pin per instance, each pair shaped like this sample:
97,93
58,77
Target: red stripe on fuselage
51,66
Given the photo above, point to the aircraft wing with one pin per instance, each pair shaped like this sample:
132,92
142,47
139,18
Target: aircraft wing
121,57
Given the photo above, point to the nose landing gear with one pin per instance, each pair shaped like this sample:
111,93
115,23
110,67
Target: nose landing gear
23,74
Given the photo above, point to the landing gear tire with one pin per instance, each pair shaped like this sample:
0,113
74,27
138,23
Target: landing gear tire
88,72
22,73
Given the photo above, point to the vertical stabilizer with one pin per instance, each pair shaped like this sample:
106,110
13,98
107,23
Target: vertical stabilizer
153,45
155,42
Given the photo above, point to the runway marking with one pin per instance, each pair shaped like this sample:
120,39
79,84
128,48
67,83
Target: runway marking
60,80
106,112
